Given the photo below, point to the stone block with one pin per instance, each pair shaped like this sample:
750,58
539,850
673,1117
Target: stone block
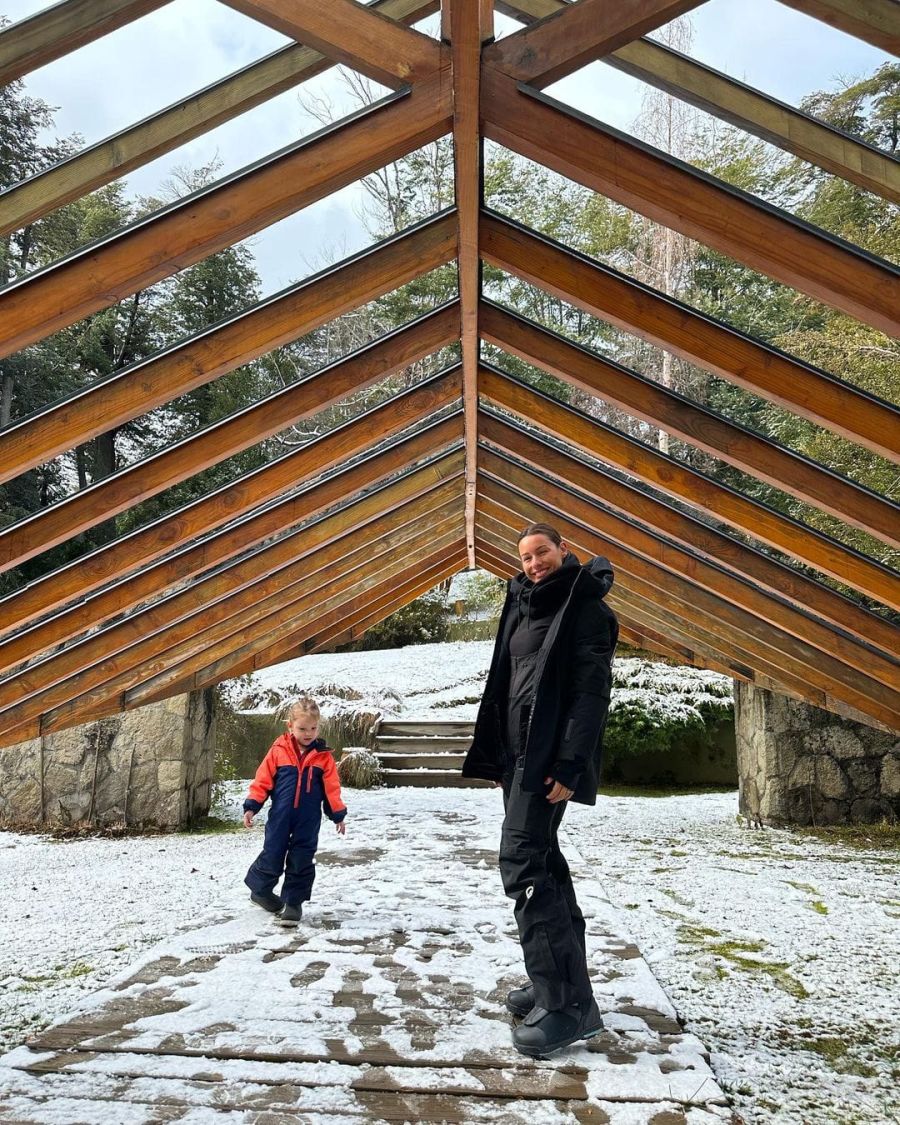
831,780
890,777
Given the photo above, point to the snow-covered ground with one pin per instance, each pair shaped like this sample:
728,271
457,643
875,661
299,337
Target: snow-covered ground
779,951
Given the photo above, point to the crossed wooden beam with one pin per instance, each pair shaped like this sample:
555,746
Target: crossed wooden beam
315,547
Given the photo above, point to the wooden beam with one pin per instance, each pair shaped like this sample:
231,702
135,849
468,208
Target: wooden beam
226,504
684,199
693,337
725,566
577,34
211,219
740,512
694,424
154,664
727,604
470,25
183,615
776,122
137,389
49,34
175,463
875,21
716,93
360,37
130,148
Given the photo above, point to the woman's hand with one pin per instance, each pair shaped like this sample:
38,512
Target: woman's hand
558,792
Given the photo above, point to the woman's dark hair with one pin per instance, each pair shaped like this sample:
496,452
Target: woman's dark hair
541,529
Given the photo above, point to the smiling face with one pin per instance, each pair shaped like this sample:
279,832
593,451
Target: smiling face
304,727
541,556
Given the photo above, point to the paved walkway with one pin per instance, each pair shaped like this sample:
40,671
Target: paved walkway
386,1004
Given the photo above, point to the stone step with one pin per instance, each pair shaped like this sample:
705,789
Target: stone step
417,745
425,729
422,761
435,779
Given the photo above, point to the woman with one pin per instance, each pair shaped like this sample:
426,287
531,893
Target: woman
538,735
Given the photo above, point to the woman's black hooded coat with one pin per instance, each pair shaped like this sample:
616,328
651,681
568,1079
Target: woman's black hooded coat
572,680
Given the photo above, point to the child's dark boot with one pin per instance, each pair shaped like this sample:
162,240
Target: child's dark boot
289,915
269,902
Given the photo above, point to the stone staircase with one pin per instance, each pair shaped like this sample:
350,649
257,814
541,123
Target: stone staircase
424,753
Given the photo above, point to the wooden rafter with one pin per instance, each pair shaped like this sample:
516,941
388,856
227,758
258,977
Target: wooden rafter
576,34
131,148
875,21
218,216
138,550
54,32
605,293
137,389
347,32
751,579
468,24
129,653
742,513
649,559
700,427
680,197
716,93
131,486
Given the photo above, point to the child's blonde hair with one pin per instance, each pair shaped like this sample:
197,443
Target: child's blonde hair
302,705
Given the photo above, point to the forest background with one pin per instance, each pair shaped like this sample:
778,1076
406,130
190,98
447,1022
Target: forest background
405,193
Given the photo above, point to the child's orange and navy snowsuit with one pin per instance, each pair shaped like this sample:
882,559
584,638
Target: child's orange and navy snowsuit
301,783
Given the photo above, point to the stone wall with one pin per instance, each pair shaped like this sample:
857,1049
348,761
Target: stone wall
151,767
798,764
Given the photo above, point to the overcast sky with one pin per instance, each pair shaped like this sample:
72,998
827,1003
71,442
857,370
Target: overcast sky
188,44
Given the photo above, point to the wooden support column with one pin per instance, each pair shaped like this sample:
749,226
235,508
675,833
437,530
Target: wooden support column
468,24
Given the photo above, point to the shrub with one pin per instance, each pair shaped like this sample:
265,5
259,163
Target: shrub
423,621
359,769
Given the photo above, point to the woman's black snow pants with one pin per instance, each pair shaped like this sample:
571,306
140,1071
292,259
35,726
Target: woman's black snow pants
536,876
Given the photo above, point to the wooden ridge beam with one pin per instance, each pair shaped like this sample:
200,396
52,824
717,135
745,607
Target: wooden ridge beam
49,34
692,336
137,389
700,427
741,513
214,598
723,598
875,21
747,577
130,148
667,595
468,24
173,464
292,639
776,122
360,37
142,547
153,664
572,35
680,197
218,216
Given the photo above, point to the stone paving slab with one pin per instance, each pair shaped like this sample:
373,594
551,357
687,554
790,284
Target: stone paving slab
386,1004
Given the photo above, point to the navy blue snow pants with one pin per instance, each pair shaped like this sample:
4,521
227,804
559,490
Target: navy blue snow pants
292,837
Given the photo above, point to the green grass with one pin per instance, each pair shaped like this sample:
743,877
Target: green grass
213,826
884,836
742,955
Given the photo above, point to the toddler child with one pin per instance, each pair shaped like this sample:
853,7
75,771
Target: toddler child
300,776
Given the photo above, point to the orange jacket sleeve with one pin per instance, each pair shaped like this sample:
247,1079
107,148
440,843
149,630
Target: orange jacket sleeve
335,809
261,785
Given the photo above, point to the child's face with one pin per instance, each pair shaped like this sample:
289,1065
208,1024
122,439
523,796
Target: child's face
304,727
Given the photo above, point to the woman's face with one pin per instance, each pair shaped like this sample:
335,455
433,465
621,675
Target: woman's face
540,556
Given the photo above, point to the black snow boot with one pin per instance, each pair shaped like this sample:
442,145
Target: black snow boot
521,1000
269,902
542,1032
289,915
